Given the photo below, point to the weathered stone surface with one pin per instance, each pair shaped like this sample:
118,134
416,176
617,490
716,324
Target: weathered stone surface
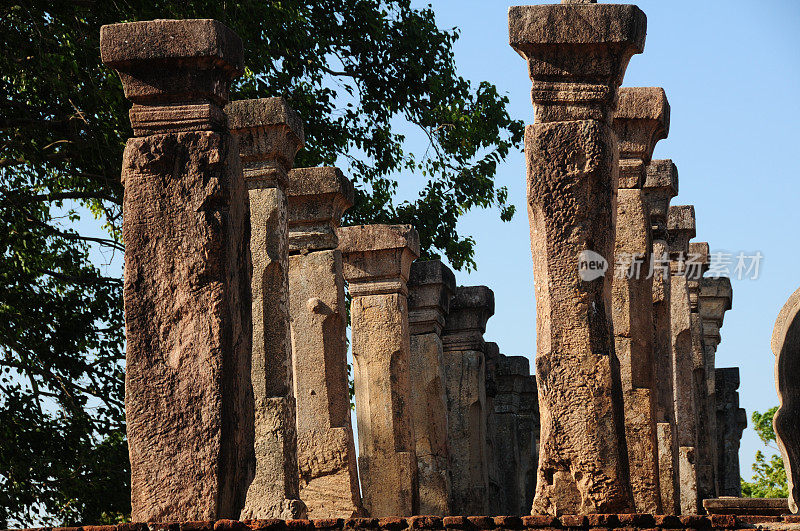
326,454
430,288
189,404
747,506
681,228
377,263
667,468
731,421
495,493
577,56
641,120
528,426
786,348
465,383
511,445
269,135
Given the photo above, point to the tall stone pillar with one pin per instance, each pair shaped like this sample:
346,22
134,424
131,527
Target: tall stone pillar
495,494
681,229
326,453
377,263
716,296
661,185
641,120
786,348
270,134
731,421
577,55
465,383
706,437
528,442
510,451
430,288
188,398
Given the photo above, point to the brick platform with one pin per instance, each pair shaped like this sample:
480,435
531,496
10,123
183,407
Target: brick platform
631,522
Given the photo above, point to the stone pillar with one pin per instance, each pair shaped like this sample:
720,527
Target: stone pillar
326,453
270,134
680,229
786,348
188,398
430,287
577,56
464,368
706,437
495,494
641,120
528,442
377,263
716,296
731,421
661,185
510,451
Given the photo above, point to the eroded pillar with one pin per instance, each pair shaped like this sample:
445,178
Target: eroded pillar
577,55
731,421
377,263
465,383
716,296
528,442
706,437
188,399
430,288
681,229
326,453
270,134
641,120
661,185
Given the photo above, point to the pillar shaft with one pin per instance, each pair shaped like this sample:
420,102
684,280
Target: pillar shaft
715,299
661,185
641,120
577,55
188,402
731,421
465,383
326,454
430,287
377,262
681,228
269,135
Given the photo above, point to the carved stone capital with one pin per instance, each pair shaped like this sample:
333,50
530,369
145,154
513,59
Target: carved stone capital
641,120
177,73
430,287
680,229
660,186
577,54
377,258
317,199
270,134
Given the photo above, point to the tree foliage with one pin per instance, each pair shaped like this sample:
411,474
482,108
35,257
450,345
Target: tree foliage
769,480
361,73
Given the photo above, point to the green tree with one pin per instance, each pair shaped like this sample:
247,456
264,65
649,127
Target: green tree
359,72
769,480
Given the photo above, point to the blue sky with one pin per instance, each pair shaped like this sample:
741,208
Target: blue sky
731,70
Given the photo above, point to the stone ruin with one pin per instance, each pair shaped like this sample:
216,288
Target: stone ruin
237,396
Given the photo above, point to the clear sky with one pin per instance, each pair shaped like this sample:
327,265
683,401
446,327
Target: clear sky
731,70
